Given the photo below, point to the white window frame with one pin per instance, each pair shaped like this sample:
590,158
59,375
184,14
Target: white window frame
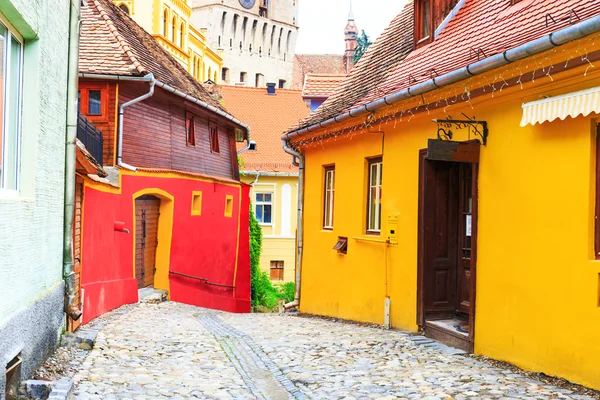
328,197
263,203
12,33
374,226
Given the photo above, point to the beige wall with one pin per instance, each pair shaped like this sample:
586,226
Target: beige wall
279,236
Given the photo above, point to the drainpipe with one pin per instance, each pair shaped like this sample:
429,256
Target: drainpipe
299,234
70,152
122,107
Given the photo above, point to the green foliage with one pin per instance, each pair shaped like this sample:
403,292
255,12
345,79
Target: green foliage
264,294
241,164
361,48
285,291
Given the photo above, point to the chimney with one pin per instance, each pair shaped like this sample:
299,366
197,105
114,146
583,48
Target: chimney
271,88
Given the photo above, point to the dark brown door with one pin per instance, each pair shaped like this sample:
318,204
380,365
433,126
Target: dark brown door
440,236
146,239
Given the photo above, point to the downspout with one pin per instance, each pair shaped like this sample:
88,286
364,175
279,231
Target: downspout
122,107
69,277
299,233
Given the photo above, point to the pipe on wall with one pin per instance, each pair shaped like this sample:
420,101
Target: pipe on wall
149,78
300,231
536,46
69,276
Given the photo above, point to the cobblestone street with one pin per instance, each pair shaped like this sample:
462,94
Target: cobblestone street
174,351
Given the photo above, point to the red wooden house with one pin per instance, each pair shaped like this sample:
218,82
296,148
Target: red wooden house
172,212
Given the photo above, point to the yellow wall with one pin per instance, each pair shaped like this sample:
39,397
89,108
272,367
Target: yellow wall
537,302
277,246
193,53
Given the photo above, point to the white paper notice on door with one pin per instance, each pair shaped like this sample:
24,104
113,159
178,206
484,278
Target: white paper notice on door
468,225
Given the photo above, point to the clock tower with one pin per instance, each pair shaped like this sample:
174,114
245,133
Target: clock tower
256,38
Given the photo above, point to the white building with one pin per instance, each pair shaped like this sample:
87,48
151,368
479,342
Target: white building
257,38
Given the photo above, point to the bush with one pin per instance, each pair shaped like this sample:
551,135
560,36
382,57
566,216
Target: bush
264,294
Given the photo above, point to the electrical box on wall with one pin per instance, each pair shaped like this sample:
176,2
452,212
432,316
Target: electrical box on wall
392,229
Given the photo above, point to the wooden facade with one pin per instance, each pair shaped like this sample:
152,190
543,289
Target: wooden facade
155,131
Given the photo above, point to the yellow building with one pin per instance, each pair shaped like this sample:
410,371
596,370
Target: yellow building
454,188
169,23
269,170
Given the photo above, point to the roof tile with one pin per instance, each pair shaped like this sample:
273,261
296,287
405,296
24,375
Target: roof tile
111,43
268,117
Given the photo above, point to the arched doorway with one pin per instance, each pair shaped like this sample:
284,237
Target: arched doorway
147,212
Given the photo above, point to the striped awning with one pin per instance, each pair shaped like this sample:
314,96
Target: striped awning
572,105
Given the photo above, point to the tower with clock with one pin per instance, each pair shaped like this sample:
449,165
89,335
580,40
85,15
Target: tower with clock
256,38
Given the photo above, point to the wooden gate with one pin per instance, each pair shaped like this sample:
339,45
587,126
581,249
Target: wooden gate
146,239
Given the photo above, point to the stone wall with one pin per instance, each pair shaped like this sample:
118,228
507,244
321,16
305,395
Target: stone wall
261,48
32,219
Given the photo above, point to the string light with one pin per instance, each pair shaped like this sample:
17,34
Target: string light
461,91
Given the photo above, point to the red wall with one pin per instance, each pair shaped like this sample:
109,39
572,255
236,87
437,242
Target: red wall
204,246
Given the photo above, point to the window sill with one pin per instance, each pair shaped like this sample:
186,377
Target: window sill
14,195
271,224
373,233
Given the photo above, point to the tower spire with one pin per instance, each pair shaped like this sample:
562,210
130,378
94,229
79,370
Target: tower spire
351,13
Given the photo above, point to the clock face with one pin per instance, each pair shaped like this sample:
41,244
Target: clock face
247,3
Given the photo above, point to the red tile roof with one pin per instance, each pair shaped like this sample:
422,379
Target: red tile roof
111,43
316,64
268,116
321,85
490,25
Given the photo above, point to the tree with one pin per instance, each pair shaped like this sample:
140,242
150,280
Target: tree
361,48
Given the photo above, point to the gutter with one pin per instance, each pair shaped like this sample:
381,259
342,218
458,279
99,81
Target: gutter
154,82
300,231
69,276
533,47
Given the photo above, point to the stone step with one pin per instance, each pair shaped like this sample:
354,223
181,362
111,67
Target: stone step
152,296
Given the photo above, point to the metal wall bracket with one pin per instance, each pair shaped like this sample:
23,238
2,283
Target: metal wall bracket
479,129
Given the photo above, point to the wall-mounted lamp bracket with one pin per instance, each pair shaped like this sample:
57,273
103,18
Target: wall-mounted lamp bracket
478,128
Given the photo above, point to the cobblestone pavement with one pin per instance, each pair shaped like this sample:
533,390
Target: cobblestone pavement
174,351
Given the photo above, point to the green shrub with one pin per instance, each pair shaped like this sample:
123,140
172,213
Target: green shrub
285,291
264,294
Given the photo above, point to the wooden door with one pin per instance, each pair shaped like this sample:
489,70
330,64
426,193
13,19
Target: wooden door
440,238
146,239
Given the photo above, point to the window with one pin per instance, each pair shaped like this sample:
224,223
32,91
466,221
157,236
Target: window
374,196
94,102
124,8
328,198
11,60
181,33
259,79
263,207
425,21
165,22
282,83
225,75
190,133
213,133
243,77
276,270
173,29
228,205
196,203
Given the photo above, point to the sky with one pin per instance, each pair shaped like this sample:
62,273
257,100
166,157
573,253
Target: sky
322,22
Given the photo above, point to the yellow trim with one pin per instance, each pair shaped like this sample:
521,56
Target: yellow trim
237,245
228,206
196,197
165,234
